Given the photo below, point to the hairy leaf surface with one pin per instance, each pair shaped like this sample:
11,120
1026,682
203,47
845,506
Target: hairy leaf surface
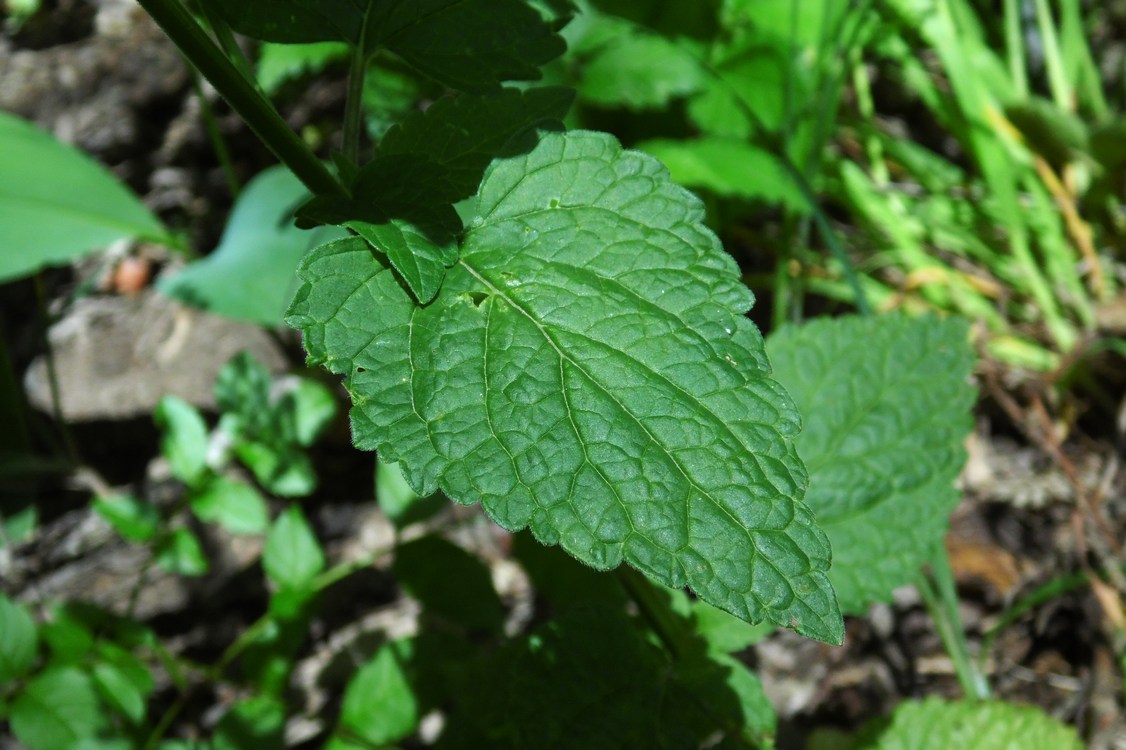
887,402
586,370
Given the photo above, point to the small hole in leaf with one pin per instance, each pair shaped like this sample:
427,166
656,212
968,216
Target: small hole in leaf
554,203
361,369
478,298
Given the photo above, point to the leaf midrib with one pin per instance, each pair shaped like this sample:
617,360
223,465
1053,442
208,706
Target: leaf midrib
672,458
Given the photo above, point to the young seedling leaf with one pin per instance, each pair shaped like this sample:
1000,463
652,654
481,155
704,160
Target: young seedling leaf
18,640
56,709
123,680
587,370
184,442
132,518
181,553
934,724
292,557
379,705
250,276
252,724
234,505
887,402
56,203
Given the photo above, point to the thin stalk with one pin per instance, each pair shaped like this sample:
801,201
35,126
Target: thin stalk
828,236
243,96
1062,93
218,143
941,600
226,39
1082,69
1014,48
640,591
69,444
353,104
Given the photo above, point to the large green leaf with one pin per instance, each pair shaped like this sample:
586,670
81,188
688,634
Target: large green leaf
250,276
887,403
57,203
934,724
465,44
587,370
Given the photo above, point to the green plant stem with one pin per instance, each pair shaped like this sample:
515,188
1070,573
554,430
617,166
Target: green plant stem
243,96
641,592
1053,60
69,445
941,600
353,103
226,39
218,143
1014,47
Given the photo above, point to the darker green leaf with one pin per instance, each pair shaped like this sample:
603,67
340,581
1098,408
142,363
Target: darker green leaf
470,45
451,583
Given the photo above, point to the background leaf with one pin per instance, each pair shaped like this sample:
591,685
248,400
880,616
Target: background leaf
56,710
252,724
292,557
250,276
18,640
184,442
887,401
587,370
563,687
134,519
181,553
234,505
57,203
934,724
451,584
379,706
728,167
640,71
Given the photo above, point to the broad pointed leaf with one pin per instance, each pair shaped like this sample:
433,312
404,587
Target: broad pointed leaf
587,370
468,45
888,404
56,203
250,275
462,134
